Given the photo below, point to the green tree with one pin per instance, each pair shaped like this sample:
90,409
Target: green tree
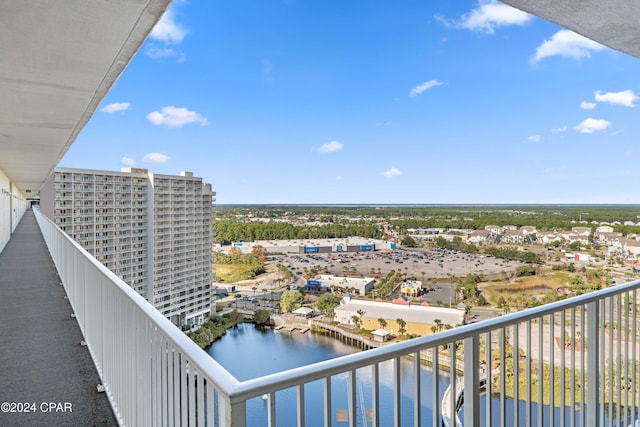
327,303
262,317
401,324
260,253
291,300
525,270
235,317
409,242
382,322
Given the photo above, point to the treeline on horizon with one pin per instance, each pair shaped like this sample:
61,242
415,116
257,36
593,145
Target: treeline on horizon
545,218
234,231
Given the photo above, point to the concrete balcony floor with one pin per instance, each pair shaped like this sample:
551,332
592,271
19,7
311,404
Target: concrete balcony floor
41,359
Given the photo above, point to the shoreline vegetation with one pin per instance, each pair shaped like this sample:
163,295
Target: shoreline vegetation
216,327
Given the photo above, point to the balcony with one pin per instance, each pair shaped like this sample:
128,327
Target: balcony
591,341
41,352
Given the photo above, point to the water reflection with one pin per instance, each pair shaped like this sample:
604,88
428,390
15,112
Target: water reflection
248,352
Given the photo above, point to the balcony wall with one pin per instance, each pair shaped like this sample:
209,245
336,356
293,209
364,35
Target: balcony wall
13,205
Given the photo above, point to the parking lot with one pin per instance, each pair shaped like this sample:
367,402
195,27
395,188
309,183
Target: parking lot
438,269
435,265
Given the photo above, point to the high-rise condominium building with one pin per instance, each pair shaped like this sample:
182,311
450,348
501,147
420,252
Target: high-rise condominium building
153,231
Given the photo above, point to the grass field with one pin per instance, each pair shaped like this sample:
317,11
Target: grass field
230,273
531,286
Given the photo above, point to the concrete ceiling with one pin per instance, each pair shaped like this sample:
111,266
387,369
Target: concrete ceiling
613,23
58,59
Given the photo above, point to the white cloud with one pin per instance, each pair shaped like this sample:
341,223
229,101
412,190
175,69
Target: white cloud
560,129
625,98
167,30
592,125
329,147
160,52
155,158
534,138
392,172
175,117
424,87
587,105
127,161
567,44
490,15
115,107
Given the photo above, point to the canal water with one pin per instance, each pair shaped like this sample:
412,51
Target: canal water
250,352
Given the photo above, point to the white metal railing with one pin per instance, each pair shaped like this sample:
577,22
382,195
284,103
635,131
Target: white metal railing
578,357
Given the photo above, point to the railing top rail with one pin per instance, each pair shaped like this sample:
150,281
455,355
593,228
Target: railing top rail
203,362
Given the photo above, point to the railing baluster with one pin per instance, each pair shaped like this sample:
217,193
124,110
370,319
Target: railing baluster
396,393
552,367
592,339
351,398
170,386
528,377
164,407
184,395
488,379
516,374
191,387
417,406
634,344
602,361
472,381
200,399
503,377
572,384
176,388
626,353
563,362
271,409
211,410
328,416
435,389
619,358
300,405
611,377
540,370
452,370
583,340
375,394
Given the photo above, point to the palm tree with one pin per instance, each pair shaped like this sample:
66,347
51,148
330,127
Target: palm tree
360,314
382,322
438,323
401,324
356,321
254,288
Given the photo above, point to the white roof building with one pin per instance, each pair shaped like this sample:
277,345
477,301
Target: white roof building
412,313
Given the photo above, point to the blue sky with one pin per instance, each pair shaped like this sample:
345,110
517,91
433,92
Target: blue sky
309,101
